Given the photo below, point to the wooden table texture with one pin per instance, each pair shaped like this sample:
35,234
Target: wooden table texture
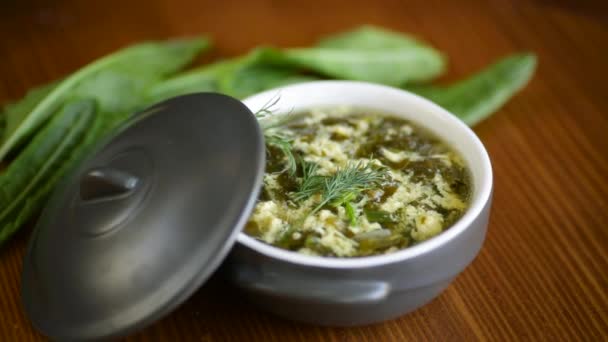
543,271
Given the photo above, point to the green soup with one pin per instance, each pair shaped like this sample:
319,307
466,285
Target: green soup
365,183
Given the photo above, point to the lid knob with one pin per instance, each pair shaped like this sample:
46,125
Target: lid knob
111,191
106,184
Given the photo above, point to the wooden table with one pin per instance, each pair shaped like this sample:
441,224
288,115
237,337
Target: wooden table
543,272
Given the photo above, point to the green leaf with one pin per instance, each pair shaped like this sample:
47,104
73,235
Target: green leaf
367,54
370,54
262,69
252,79
380,216
202,79
351,213
283,142
369,37
22,184
35,202
240,77
480,95
341,187
393,66
15,113
115,81
2,123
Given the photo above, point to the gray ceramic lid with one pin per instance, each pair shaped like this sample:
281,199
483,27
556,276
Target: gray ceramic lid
143,222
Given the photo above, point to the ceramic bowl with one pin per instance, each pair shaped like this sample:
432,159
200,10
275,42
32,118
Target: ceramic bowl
355,291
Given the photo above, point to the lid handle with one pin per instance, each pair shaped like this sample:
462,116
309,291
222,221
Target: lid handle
105,183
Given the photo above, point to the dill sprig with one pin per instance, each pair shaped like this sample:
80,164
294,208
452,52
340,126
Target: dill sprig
310,184
342,187
266,115
283,142
273,137
268,108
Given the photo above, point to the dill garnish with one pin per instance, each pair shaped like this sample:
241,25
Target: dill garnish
283,142
275,138
268,108
310,184
341,188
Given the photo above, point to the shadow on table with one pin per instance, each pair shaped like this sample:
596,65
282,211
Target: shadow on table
219,312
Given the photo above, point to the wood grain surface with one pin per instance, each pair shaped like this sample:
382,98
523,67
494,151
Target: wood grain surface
543,271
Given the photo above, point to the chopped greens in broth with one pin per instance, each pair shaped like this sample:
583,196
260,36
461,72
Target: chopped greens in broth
364,183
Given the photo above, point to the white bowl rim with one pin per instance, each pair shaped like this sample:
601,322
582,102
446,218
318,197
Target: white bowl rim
476,207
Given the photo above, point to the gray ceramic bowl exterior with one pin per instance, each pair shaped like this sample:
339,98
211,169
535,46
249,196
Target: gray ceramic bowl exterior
355,291
343,297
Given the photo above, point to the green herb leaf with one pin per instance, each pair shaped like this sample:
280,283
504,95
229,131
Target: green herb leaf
369,37
263,68
29,178
348,182
202,79
376,240
268,108
367,54
133,68
343,186
15,113
351,213
283,143
254,78
35,201
311,183
2,123
274,137
380,216
387,66
370,54
479,96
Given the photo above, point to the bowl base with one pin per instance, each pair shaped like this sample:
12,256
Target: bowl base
398,303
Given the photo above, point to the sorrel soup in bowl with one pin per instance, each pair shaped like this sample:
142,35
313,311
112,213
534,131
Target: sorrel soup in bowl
374,200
